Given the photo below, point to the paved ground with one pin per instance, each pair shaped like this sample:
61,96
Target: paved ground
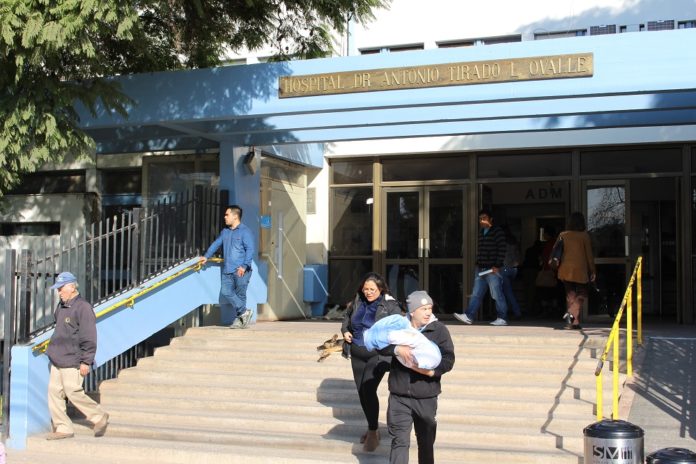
664,388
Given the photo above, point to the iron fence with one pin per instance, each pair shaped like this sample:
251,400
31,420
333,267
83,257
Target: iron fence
114,255
108,258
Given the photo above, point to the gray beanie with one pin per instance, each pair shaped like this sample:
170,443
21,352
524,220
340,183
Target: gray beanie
417,299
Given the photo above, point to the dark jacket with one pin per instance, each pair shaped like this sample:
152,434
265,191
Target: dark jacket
74,340
407,382
386,307
491,248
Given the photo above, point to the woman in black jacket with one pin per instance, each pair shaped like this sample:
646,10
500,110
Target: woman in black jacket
372,302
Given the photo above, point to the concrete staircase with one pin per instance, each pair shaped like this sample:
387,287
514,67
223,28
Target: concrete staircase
516,395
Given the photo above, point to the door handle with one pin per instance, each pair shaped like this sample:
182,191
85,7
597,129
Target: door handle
626,249
426,249
421,245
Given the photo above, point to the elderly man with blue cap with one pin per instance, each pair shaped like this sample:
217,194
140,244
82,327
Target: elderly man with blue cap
71,352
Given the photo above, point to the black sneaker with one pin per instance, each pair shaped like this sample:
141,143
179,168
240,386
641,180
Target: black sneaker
568,318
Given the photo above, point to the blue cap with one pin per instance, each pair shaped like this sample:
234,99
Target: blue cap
63,279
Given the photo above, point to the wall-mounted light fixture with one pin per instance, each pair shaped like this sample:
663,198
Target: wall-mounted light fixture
250,161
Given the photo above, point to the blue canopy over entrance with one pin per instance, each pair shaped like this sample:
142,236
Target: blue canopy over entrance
642,90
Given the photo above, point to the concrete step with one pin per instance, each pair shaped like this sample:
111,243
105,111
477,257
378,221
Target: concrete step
543,420
308,355
219,363
239,339
512,400
301,432
316,333
516,395
562,402
467,369
116,449
484,382
338,390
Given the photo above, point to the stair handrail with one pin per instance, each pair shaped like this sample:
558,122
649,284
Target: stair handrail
615,337
129,301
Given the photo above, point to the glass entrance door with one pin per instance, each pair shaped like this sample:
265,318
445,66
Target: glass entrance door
607,207
423,243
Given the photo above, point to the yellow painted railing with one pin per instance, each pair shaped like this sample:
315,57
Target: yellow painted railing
130,300
613,342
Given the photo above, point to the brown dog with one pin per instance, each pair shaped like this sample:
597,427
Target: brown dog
332,345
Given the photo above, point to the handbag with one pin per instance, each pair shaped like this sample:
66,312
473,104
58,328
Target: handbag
546,278
556,254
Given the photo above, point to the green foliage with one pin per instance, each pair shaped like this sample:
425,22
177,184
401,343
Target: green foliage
54,54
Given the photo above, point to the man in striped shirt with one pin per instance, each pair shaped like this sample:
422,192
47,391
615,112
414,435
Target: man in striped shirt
490,256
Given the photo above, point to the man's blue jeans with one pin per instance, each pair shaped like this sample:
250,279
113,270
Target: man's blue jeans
509,274
491,281
233,296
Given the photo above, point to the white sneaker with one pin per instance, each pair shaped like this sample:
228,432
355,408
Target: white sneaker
463,318
245,318
499,321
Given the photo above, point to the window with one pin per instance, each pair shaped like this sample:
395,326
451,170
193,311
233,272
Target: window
479,41
121,191
651,160
456,44
344,276
686,24
502,39
121,181
392,48
599,30
51,182
352,172
234,62
406,48
631,28
174,174
35,229
523,165
427,168
664,25
351,221
559,34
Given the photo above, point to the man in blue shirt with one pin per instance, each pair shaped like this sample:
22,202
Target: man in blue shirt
237,243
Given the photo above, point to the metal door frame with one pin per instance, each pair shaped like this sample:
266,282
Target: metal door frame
423,259
627,259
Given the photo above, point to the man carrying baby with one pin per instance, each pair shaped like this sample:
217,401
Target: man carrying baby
413,391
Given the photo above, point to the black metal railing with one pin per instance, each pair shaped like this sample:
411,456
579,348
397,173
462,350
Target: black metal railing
108,258
115,255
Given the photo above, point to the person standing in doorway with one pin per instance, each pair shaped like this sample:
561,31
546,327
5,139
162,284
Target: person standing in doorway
413,391
237,243
490,258
576,269
71,351
372,302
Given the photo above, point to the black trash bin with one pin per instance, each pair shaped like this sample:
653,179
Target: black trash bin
672,456
613,442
